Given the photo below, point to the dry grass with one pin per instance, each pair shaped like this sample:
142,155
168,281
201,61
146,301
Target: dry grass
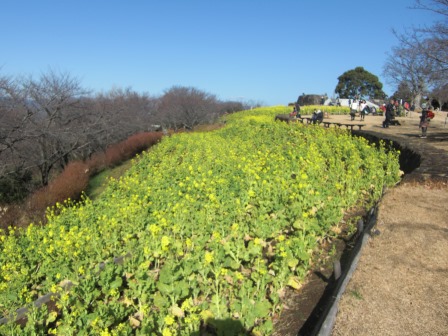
401,280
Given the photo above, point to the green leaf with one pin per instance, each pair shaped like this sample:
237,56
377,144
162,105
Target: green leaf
51,318
116,283
181,289
160,301
262,308
164,288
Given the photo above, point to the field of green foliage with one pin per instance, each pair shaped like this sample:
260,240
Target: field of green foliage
213,225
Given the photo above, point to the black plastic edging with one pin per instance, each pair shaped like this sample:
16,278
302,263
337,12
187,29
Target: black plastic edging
325,328
325,322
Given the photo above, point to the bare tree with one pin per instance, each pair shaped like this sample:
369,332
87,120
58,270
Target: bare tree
408,65
433,40
440,94
55,126
186,107
421,59
13,122
121,113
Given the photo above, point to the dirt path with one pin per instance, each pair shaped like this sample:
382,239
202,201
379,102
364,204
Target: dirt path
400,286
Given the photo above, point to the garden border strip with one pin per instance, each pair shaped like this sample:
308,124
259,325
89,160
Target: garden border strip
324,327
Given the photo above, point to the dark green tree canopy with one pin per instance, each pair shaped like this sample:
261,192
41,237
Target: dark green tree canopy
404,92
359,83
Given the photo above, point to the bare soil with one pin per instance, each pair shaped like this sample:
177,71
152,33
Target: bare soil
400,286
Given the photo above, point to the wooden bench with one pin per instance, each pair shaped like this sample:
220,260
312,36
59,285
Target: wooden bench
309,120
327,124
303,119
360,126
298,119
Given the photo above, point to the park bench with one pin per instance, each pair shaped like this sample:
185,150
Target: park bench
298,119
353,125
308,120
327,124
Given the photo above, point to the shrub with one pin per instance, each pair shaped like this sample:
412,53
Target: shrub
122,151
69,184
73,180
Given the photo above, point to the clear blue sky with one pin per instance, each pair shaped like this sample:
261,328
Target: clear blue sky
263,51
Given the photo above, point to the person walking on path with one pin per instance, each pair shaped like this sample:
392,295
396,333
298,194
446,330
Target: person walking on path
353,108
424,120
389,113
363,109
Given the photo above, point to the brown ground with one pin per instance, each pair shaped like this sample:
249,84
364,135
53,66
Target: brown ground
400,286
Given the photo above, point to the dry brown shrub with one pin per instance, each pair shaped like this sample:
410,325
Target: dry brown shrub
69,184
122,151
75,178
97,163
135,144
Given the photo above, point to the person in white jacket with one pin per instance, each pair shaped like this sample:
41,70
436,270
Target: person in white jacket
353,109
362,109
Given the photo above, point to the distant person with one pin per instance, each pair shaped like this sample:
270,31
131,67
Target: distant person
406,108
314,116
293,114
399,108
317,117
389,113
424,120
353,109
363,108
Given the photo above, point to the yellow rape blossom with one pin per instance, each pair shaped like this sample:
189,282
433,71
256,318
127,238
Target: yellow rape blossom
154,229
239,275
166,332
216,235
208,257
169,320
186,305
165,242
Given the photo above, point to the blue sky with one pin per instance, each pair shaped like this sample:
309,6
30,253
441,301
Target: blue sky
262,51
